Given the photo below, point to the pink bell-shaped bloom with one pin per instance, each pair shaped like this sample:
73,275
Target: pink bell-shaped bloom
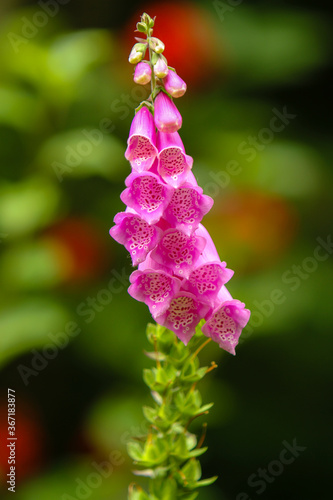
173,164
141,144
209,253
151,264
154,288
166,116
183,315
174,85
224,325
147,195
206,281
178,252
135,234
191,179
161,68
142,73
187,207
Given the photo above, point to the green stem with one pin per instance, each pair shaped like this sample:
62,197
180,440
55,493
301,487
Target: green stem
168,454
153,79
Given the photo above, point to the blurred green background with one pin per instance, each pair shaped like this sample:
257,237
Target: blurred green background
71,338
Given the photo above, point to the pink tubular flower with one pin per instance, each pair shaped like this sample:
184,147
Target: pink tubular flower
178,252
174,164
135,234
142,73
206,281
225,324
187,207
166,116
209,253
154,288
183,315
174,85
161,68
141,144
147,195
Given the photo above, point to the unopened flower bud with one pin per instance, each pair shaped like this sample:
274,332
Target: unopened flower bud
145,18
142,27
137,53
142,73
157,45
166,117
161,68
174,85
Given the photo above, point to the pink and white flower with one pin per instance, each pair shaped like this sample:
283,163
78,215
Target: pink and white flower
138,237
206,281
180,275
147,195
154,288
187,207
174,164
174,85
183,315
224,325
142,73
141,144
178,252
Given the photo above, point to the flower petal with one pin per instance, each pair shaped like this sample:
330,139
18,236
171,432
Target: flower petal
173,164
141,145
147,195
166,116
178,252
182,316
225,324
136,235
187,207
174,85
206,281
154,288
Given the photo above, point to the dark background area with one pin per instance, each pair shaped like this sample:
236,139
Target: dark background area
55,251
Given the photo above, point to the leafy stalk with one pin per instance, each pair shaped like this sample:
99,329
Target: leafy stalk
168,454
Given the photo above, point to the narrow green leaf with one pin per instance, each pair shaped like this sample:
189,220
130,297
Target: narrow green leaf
151,332
134,494
205,407
134,450
197,452
150,413
192,470
149,377
189,496
206,482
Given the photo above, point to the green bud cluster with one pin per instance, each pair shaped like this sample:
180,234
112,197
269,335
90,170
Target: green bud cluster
168,454
156,60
